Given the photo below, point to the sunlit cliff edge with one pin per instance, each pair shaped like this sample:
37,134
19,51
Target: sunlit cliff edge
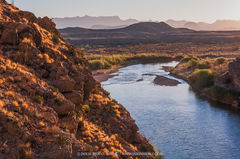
50,105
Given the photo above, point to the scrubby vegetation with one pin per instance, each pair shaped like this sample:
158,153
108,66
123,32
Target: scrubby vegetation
221,60
86,108
56,39
108,61
225,95
38,99
163,48
202,78
209,75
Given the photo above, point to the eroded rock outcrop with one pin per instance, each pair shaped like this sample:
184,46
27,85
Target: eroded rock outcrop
234,73
50,105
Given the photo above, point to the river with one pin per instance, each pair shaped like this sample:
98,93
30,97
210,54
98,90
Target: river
174,118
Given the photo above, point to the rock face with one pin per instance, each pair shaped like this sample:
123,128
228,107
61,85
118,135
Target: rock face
50,105
234,73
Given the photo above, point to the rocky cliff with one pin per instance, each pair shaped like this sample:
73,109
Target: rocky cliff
50,105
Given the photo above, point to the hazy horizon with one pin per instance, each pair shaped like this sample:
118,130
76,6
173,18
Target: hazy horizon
156,10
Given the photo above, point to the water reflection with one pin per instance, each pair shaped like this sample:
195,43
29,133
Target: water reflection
178,122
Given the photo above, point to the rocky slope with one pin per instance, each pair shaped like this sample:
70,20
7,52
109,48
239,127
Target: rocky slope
50,105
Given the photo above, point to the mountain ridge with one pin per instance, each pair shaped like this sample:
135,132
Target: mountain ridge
90,21
113,22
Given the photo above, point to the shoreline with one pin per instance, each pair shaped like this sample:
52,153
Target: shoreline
105,74
204,95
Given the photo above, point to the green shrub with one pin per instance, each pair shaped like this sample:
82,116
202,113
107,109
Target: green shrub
61,140
54,89
58,101
221,60
72,51
99,64
55,39
202,78
86,108
193,63
81,126
38,99
204,65
222,94
146,148
1,26
107,61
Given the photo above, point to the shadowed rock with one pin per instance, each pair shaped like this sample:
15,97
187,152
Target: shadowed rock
164,81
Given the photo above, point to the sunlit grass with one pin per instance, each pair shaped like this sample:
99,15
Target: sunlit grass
108,61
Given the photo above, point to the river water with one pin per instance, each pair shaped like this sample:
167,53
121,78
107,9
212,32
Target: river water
174,118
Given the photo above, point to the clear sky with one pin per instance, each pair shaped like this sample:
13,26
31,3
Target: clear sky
195,10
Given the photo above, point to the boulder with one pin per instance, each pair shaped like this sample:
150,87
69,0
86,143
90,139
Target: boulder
64,108
28,15
48,24
9,35
65,84
79,82
75,96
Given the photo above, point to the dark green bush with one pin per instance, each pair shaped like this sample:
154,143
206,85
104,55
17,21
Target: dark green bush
81,126
1,26
86,108
72,50
38,99
223,94
221,60
193,63
204,65
58,101
55,39
202,78
61,140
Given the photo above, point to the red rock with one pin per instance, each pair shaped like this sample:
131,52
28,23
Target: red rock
9,35
64,85
234,73
64,108
48,24
75,96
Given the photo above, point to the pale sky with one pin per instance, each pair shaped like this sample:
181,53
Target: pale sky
158,10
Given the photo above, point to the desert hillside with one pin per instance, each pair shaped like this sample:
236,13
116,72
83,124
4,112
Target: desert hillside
50,105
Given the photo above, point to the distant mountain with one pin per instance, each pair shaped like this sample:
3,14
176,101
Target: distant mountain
109,22
114,22
145,32
176,24
107,27
219,25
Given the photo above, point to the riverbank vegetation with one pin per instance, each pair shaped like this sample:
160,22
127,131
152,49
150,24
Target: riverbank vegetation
202,78
98,62
208,75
